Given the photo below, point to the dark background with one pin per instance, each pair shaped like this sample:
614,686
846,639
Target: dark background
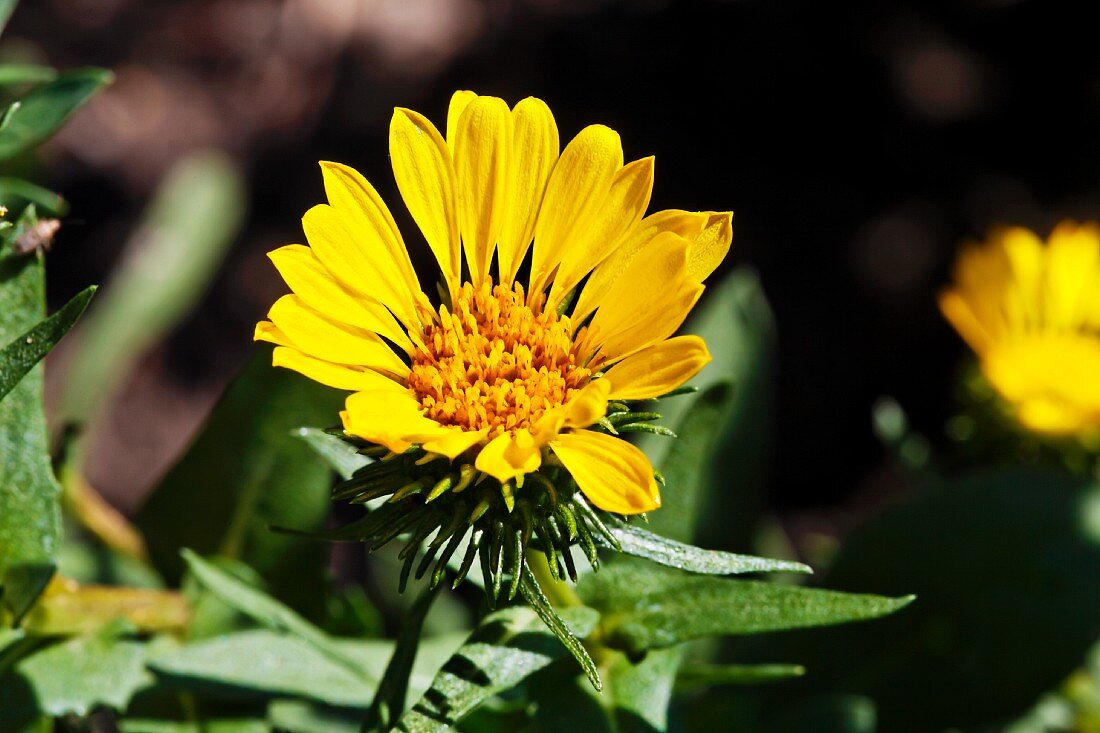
857,143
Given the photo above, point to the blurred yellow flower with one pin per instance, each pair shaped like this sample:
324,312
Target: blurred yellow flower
501,373
1031,312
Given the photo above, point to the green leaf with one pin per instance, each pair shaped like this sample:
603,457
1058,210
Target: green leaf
645,609
45,108
272,664
341,456
640,543
265,664
206,725
16,194
76,677
27,349
11,74
30,520
715,470
389,700
245,472
507,647
534,595
6,9
1004,563
697,676
264,609
303,716
165,269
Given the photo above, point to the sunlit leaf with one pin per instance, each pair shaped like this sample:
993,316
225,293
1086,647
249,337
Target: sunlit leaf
27,349
507,647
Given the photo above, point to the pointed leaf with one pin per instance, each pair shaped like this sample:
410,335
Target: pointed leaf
20,355
45,108
640,543
340,455
644,609
507,647
531,591
264,609
695,676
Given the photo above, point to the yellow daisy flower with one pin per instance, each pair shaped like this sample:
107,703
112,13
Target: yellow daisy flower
504,375
1031,312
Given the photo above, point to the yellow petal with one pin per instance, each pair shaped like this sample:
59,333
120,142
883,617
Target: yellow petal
425,176
959,313
633,317
455,442
316,286
657,369
339,376
586,407
481,151
1072,271
710,247
534,152
597,236
360,262
351,194
687,224
389,418
508,457
459,102
613,474
577,188
313,334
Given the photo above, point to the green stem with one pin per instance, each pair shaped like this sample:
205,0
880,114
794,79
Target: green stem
559,593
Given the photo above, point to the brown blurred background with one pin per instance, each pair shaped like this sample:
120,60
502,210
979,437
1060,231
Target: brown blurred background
857,143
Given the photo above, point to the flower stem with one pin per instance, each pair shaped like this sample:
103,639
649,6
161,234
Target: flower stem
558,592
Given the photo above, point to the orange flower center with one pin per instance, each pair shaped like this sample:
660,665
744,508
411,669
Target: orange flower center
493,363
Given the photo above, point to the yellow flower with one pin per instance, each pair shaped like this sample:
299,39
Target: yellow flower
502,373
1031,312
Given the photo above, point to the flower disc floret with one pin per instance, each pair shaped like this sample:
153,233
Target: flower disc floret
493,364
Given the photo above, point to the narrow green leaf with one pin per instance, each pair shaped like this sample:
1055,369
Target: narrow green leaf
640,543
507,647
30,519
245,472
389,701
45,108
644,609
693,677
264,609
27,349
24,73
166,267
339,454
531,591
15,193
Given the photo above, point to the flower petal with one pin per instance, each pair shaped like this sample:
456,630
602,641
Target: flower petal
425,177
578,185
534,152
585,408
710,247
633,317
459,102
316,286
455,442
359,262
957,310
657,369
313,334
598,235
481,149
390,418
615,475
687,224
353,196
508,457
339,376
